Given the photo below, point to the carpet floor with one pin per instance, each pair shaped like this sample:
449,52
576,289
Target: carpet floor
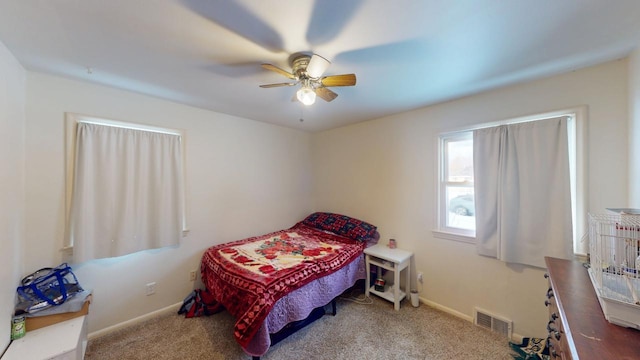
358,331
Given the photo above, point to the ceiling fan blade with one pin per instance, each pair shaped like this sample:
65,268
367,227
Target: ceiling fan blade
324,12
317,66
240,20
339,80
278,70
326,94
278,85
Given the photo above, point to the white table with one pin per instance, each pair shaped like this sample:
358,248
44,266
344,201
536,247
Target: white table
65,340
394,260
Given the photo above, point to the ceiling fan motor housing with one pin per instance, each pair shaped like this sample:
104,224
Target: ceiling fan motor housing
299,66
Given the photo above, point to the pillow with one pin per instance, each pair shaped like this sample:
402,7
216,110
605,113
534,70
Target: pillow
341,225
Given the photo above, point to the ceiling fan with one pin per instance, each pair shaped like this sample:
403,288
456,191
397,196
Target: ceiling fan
307,71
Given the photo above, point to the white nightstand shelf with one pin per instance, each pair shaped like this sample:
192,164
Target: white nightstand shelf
394,260
388,293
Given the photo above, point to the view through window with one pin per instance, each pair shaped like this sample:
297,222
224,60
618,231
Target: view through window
457,184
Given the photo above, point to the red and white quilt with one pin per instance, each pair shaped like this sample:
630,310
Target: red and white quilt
248,276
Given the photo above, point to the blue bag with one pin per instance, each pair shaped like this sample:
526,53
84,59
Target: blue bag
45,288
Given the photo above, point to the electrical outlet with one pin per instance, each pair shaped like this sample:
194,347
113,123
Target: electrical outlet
151,288
192,275
420,277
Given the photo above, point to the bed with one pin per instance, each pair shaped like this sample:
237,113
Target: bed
274,283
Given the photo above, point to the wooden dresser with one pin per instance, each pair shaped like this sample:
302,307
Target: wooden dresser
577,327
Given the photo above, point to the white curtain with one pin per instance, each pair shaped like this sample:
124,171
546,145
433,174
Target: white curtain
522,191
127,191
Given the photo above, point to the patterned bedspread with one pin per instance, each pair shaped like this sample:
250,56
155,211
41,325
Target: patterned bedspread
248,276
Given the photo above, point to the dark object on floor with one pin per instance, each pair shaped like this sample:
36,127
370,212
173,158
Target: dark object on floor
531,349
199,302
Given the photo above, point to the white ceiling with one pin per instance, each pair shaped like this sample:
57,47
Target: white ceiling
406,53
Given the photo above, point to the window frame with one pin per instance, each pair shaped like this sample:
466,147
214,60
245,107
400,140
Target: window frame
444,230
71,124
579,181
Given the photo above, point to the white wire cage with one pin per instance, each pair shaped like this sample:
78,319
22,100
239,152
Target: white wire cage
614,245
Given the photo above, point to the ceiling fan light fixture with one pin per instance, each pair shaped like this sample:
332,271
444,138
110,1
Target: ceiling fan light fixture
317,66
306,95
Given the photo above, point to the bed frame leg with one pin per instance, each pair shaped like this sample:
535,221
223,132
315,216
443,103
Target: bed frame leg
333,307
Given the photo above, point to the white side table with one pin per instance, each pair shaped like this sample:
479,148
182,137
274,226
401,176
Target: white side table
65,340
394,260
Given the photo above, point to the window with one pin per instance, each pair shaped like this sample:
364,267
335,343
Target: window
125,187
456,198
456,192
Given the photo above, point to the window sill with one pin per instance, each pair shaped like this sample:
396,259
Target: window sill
453,236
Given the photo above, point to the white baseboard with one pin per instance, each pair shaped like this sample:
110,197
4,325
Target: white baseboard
517,338
134,321
448,310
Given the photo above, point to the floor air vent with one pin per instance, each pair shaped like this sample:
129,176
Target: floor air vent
493,322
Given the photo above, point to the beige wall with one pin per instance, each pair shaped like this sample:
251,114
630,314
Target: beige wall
384,171
634,129
12,123
243,178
